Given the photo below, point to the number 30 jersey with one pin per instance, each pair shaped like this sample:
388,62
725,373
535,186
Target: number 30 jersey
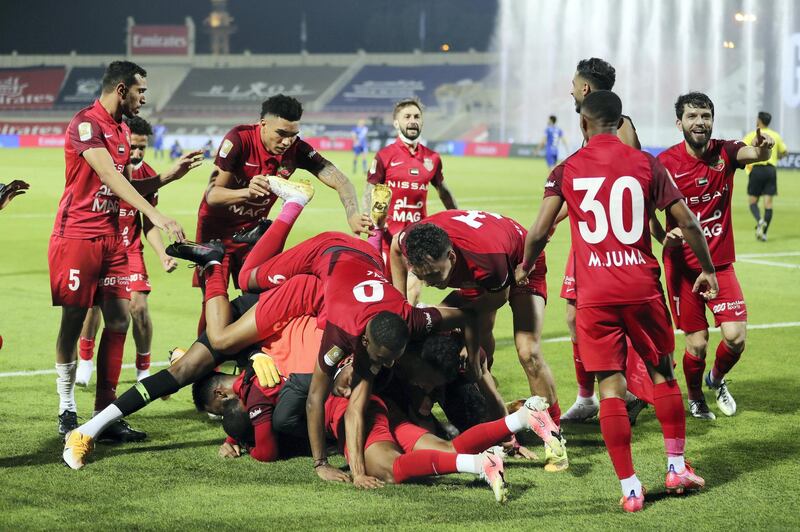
609,189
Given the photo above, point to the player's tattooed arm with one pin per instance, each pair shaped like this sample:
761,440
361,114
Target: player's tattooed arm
334,178
103,165
399,267
315,419
446,196
354,428
366,200
537,236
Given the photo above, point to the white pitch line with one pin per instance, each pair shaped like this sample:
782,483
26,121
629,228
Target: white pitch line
770,263
559,339
765,255
53,371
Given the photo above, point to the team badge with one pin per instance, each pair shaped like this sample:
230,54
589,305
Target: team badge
427,162
719,167
225,148
285,172
84,131
334,355
413,171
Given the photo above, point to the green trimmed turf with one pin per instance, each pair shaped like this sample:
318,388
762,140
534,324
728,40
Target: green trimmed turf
176,481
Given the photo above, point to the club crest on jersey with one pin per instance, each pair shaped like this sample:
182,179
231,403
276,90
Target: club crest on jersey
84,131
427,162
225,148
719,166
701,182
334,355
413,171
285,172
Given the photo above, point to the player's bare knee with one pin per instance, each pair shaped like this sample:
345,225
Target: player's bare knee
531,359
118,323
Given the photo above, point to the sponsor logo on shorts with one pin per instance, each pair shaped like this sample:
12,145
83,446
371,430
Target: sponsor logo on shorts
736,306
121,280
84,131
225,148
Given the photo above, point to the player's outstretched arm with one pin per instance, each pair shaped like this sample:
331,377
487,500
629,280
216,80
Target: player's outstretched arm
693,234
354,428
186,162
760,149
330,175
446,196
537,236
399,267
153,236
12,190
103,165
315,418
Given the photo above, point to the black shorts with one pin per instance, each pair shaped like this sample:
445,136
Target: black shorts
239,306
763,181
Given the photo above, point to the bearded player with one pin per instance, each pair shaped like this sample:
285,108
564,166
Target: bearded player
703,169
131,227
401,175
610,190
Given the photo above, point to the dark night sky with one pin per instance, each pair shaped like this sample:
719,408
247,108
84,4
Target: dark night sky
333,26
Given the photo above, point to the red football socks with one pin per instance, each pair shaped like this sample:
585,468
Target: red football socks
616,429
216,284
585,379
142,361
423,464
109,366
669,411
271,243
480,437
555,413
86,348
724,362
693,368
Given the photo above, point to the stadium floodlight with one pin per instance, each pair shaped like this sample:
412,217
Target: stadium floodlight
744,17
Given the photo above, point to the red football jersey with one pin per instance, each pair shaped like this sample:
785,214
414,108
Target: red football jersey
707,184
609,189
88,208
409,177
130,220
488,247
355,291
257,400
243,154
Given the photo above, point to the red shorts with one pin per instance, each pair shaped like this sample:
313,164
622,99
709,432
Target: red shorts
568,287
139,281
406,434
537,282
85,271
689,309
375,418
301,295
602,334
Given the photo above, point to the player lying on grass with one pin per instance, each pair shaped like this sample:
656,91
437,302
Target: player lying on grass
201,359
621,294
363,314
476,252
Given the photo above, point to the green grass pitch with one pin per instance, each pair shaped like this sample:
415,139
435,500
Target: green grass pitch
175,480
